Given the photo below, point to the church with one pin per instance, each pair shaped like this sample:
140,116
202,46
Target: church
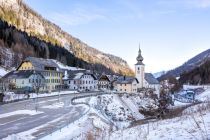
141,80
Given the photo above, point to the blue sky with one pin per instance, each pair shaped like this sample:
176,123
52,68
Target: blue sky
169,31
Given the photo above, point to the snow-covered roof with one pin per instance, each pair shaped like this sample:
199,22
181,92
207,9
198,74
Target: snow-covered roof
151,79
41,63
20,74
65,67
73,75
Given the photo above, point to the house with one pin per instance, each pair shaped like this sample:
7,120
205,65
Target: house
29,80
80,80
126,84
104,82
48,68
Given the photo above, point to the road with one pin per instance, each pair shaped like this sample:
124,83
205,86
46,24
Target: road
55,112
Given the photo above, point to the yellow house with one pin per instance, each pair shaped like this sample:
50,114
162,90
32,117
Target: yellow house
48,68
126,84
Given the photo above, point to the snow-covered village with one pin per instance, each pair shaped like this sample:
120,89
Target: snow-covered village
53,86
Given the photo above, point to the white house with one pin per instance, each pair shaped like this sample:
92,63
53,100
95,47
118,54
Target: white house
80,80
24,79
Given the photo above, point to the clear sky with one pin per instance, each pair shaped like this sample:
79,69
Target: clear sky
169,31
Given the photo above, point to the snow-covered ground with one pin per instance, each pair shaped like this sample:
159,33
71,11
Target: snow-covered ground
205,96
11,96
100,121
3,71
20,112
193,126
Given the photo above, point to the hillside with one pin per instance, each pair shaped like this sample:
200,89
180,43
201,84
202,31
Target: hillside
199,75
16,13
189,65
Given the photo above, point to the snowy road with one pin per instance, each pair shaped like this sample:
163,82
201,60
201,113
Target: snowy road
51,114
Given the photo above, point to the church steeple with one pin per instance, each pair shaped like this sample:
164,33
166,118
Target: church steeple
139,69
139,58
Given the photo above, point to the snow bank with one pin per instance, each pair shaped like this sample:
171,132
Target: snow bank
205,96
20,112
11,96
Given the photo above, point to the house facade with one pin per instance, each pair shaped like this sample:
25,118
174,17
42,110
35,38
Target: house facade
30,80
104,82
126,84
48,68
80,80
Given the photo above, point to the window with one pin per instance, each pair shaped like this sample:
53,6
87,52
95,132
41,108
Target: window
69,82
125,84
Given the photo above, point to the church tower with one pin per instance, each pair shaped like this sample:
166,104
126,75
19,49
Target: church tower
139,69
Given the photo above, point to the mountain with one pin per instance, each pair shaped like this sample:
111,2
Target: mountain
158,74
21,17
199,75
191,64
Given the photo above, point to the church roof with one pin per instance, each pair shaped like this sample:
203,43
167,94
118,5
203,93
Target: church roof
151,79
